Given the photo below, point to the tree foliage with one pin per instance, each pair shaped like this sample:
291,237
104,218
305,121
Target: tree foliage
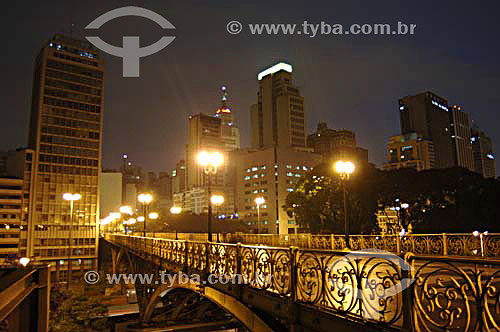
440,200
317,201
78,310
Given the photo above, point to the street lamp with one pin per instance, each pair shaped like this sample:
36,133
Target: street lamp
210,161
217,200
345,169
24,261
259,201
175,210
481,239
145,199
126,209
71,198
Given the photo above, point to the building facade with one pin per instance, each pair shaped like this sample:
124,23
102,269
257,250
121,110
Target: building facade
179,177
271,173
65,133
484,158
278,118
336,144
410,151
110,198
428,115
461,138
11,203
204,134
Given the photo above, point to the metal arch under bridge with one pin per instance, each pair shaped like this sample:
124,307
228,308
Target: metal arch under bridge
292,289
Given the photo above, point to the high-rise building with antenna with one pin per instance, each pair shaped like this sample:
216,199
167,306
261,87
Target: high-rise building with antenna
230,133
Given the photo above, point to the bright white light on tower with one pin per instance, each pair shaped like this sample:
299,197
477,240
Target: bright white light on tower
274,69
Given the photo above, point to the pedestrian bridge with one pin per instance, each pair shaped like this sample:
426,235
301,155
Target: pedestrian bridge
295,289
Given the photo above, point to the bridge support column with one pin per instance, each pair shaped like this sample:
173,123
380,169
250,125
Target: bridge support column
114,257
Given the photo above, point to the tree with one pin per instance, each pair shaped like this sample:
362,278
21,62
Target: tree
317,201
78,311
439,200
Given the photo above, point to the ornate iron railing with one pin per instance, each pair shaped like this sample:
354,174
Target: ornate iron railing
459,294
418,293
453,244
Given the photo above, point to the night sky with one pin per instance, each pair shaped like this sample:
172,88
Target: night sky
350,82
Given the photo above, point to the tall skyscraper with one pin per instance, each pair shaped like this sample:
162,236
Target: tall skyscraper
278,118
204,134
65,133
179,177
484,158
428,115
461,138
230,133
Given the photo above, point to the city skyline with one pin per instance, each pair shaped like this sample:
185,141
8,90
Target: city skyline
342,84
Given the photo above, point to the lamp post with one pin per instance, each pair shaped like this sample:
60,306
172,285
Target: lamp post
481,239
259,201
145,199
217,200
210,161
71,198
24,261
345,169
175,210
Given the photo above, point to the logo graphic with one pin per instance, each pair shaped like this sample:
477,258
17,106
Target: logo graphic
131,52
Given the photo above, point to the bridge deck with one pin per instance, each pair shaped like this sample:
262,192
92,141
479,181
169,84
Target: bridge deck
306,286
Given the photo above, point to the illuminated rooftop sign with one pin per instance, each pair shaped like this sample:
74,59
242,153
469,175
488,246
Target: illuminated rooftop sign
274,69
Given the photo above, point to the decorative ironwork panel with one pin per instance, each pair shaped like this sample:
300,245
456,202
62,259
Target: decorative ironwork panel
197,255
267,268
222,259
362,285
453,294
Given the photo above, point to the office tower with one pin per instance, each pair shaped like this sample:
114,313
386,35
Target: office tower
204,134
132,179
410,150
11,198
179,177
110,192
65,133
428,115
164,192
230,133
482,149
270,173
278,118
461,138
336,144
